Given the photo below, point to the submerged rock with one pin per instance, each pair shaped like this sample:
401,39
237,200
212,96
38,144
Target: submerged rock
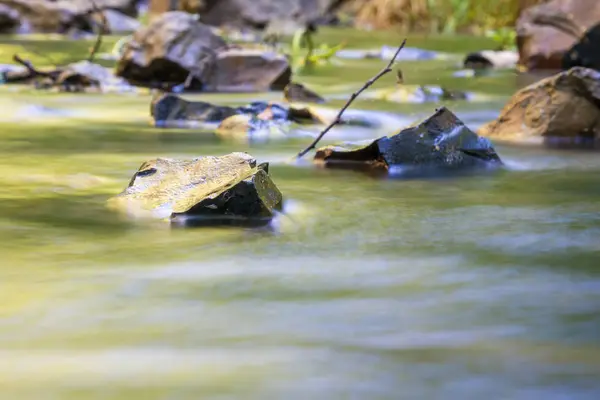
84,75
417,94
296,92
441,141
505,59
169,109
172,110
205,190
260,121
547,31
566,105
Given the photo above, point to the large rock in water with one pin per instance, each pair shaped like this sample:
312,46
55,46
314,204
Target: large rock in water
169,110
61,16
169,50
566,105
547,31
204,190
248,70
177,49
441,141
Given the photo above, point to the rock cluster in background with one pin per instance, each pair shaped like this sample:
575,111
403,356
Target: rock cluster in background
67,16
547,34
177,49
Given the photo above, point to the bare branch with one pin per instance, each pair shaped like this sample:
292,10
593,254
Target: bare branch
100,31
353,97
32,70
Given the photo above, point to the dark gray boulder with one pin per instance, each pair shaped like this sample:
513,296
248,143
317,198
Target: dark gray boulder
176,50
168,51
171,110
168,109
441,141
297,92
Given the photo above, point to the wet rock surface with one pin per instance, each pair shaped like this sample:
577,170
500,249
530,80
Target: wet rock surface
547,31
172,110
207,190
169,108
296,92
490,59
440,142
85,75
566,105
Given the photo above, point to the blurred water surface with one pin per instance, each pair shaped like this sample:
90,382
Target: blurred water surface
479,286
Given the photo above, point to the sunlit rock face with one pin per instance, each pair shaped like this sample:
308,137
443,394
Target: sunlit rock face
225,189
561,108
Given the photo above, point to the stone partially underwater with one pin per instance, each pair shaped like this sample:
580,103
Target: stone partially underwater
256,121
418,94
176,49
563,109
227,190
440,142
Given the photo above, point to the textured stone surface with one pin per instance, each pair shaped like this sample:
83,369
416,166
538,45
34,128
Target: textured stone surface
248,70
296,92
565,105
441,141
232,186
170,49
547,31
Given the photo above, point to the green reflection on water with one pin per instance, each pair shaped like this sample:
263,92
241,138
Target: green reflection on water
483,285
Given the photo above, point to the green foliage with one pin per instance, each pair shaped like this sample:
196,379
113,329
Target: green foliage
440,16
304,56
504,37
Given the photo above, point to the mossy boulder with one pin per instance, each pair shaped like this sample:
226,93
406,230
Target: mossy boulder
206,190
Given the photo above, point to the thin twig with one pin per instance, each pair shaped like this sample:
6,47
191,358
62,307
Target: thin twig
100,31
353,97
27,64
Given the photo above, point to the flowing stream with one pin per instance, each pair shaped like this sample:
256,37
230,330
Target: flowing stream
484,286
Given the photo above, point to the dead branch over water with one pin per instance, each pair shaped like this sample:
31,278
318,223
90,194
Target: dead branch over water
102,29
353,97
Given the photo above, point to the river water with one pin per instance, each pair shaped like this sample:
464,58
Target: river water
478,286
